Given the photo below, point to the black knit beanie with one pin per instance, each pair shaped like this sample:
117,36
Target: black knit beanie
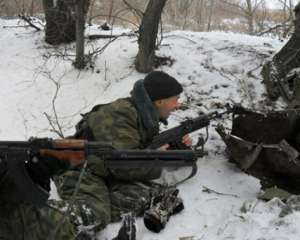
160,85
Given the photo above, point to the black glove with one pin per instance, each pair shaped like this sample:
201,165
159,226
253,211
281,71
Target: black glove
162,206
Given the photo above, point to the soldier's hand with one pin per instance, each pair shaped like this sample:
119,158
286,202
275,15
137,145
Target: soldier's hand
164,147
187,141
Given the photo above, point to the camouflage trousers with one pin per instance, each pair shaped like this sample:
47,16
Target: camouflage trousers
22,221
91,209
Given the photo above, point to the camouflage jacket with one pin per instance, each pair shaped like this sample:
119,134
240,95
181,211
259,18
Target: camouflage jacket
128,123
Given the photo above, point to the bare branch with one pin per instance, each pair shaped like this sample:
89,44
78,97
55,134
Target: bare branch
100,50
53,126
232,4
54,123
117,17
136,11
209,190
103,36
26,19
271,29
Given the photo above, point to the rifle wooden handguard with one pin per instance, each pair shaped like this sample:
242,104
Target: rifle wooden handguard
73,157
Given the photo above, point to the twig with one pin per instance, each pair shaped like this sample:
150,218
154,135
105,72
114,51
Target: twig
172,35
161,34
15,26
244,87
105,71
100,50
118,13
209,190
26,19
283,25
116,17
250,72
53,126
137,12
103,36
56,127
223,74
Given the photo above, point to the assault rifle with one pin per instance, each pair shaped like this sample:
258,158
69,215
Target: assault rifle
16,153
174,136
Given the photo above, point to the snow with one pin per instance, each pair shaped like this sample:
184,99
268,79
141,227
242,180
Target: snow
277,4
215,68
234,21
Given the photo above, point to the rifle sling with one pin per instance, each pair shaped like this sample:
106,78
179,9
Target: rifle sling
192,174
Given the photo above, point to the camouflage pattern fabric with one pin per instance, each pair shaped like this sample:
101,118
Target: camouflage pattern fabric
272,192
121,124
19,222
62,219
111,192
103,195
106,194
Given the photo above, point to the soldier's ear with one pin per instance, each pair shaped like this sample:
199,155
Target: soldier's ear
158,103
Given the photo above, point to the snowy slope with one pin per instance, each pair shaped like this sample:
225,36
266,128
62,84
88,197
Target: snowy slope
215,68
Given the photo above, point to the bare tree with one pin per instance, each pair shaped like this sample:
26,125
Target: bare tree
248,9
200,13
147,35
80,21
2,7
249,13
111,7
262,17
211,7
91,12
184,7
288,16
61,20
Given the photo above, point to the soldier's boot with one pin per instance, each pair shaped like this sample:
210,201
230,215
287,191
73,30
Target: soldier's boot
128,228
3,168
162,206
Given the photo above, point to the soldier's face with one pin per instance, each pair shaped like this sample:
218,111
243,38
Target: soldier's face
166,106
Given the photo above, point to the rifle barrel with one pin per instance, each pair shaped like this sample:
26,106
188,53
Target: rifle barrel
149,158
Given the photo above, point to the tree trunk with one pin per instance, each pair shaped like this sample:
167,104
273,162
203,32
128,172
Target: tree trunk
47,4
147,36
185,7
61,20
31,8
211,7
284,11
80,20
250,16
110,12
199,16
91,12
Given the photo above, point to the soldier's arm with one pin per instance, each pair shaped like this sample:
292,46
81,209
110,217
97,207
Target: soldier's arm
121,128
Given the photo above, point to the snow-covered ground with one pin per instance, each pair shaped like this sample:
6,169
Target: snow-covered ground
39,83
